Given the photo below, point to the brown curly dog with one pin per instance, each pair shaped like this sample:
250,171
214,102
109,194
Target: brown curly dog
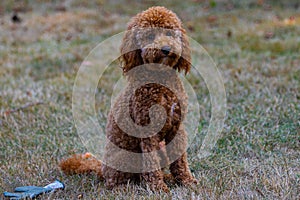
147,118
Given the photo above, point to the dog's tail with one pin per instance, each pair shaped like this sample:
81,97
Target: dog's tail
81,164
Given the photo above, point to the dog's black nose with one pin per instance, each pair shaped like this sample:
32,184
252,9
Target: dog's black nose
166,50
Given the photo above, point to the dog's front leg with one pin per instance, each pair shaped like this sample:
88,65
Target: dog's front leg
152,174
179,168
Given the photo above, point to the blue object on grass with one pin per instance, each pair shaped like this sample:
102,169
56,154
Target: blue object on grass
33,191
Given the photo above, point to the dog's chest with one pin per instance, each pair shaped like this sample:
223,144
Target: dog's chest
155,94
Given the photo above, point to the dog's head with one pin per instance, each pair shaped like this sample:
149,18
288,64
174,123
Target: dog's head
155,36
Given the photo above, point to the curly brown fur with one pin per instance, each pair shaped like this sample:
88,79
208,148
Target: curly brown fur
154,17
164,48
81,164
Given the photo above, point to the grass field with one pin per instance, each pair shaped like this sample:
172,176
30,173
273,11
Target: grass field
255,45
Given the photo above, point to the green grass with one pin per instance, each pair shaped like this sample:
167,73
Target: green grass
258,153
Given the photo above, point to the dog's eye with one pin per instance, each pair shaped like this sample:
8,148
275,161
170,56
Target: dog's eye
151,36
169,33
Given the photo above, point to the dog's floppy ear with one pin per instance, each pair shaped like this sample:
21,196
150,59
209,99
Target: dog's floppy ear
184,62
130,52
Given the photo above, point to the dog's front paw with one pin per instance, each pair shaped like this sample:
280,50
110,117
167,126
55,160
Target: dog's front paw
187,180
190,181
159,187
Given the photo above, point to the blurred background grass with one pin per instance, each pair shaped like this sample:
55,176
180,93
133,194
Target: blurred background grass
255,44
